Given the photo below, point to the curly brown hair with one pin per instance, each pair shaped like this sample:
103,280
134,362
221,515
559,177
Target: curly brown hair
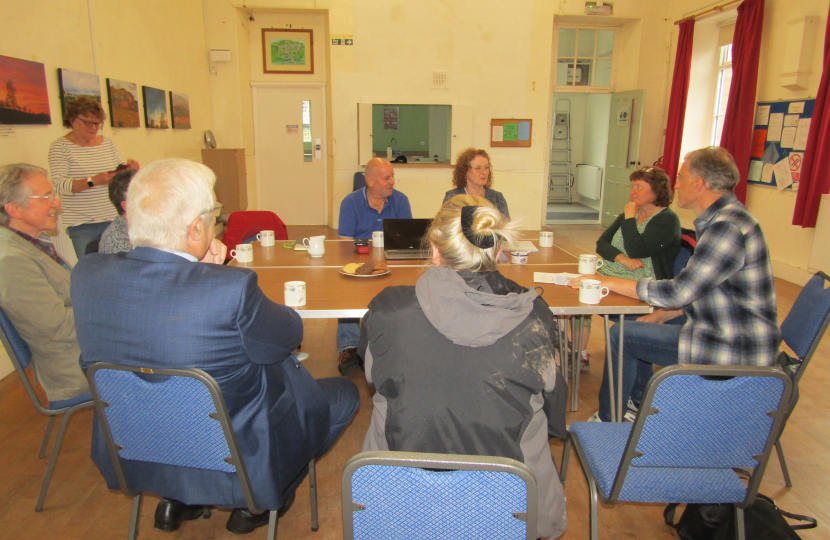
462,165
659,182
83,105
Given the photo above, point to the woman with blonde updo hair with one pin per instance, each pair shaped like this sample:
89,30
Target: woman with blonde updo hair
463,360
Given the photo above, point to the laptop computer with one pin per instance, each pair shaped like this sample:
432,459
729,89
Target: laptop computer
402,238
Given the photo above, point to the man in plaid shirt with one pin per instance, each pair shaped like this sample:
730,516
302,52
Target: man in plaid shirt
721,309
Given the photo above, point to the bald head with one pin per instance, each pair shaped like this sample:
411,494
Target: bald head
380,178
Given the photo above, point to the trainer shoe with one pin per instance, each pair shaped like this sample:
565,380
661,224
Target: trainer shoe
595,418
584,363
631,414
348,361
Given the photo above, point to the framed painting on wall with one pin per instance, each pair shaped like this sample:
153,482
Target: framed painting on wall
24,98
180,110
123,97
287,51
75,84
155,108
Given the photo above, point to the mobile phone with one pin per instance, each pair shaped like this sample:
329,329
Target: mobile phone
361,245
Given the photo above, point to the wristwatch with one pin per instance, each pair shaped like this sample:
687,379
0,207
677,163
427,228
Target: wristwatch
89,181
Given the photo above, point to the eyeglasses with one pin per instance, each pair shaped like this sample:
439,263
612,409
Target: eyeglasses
646,169
216,211
486,168
49,198
90,123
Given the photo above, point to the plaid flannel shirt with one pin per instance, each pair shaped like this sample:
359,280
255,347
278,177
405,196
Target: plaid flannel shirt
727,291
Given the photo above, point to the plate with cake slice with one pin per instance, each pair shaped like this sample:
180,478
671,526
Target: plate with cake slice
365,270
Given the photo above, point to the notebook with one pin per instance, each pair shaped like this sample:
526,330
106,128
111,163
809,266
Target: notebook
402,238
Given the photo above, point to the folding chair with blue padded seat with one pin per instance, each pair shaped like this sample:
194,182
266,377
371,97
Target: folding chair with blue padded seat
802,331
172,417
389,495
696,425
21,357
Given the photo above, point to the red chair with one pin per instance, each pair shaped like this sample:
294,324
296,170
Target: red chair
245,225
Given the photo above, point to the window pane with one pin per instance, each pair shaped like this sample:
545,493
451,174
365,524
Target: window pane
605,44
602,73
562,68
567,42
723,90
585,43
307,131
582,73
718,130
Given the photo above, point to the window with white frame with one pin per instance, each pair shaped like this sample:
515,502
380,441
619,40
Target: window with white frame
584,57
722,97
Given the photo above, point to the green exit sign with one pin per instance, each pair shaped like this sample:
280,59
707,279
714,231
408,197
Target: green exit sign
336,41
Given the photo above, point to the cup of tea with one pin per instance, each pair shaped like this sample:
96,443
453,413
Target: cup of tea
294,293
377,239
588,264
591,291
546,239
243,253
519,257
316,245
266,238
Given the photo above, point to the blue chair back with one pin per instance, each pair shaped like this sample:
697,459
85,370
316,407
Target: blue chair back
389,495
808,319
682,259
15,345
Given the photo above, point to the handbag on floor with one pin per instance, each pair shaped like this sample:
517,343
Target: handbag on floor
762,521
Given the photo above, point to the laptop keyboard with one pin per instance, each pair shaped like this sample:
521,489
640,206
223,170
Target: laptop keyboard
407,254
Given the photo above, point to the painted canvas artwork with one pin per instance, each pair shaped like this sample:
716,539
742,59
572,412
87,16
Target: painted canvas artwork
180,110
155,108
123,97
24,98
75,84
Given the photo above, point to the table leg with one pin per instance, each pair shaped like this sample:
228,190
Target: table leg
576,354
620,412
608,366
562,337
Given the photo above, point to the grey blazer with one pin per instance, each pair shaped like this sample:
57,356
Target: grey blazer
34,292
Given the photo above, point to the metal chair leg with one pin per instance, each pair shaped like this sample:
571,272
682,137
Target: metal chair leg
594,504
312,493
740,532
610,367
52,460
566,454
134,515
46,437
273,520
783,462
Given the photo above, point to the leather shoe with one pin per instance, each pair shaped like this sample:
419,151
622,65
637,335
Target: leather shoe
242,521
170,514
348,361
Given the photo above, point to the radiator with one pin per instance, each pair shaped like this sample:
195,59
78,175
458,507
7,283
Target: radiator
589,181
820,258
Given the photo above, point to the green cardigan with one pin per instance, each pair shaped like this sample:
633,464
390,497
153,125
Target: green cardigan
660,241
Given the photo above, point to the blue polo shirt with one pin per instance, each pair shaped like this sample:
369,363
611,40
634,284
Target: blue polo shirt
359,220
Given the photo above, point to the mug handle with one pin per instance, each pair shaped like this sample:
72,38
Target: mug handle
600,262
305,242
233,253
259,236
302,295
603,292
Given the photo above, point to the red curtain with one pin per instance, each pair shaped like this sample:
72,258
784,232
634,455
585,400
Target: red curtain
815,180
740,109
677,101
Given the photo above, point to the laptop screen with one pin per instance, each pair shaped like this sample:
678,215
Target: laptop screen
404,233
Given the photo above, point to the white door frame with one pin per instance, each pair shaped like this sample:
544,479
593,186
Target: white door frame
321,86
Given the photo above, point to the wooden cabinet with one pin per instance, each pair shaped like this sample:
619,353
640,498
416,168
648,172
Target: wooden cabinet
231,178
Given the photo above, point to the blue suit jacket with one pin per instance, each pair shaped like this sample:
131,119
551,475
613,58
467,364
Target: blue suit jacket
156,309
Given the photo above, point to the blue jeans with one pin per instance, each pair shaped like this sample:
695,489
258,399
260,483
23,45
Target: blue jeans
83,234
348,334
343,403
644,343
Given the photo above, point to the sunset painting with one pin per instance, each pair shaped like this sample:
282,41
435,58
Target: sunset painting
123,103
23,95
75,84
155,108
180,110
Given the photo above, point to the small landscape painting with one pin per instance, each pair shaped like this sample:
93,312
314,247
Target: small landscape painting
24,98
155,108
75,84
180,110
123,97
287,51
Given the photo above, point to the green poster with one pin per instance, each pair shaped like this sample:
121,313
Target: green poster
511,131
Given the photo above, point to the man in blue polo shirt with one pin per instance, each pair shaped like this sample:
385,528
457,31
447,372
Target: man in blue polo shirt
361,213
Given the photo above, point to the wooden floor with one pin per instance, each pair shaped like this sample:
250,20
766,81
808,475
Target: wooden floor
80,506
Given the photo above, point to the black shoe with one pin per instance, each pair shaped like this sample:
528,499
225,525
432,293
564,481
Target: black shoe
170,514
348,361
242,521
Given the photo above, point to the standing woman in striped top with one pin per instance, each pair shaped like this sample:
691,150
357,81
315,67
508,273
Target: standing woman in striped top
82,162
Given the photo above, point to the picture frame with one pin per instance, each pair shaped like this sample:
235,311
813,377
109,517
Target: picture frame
180,110
123,99
24,97
76,84
155,108
288,51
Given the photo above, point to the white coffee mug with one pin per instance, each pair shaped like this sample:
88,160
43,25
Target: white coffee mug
243,253
377,239
519,257
266,238
591,291
545,239
588,264
295,293
316,245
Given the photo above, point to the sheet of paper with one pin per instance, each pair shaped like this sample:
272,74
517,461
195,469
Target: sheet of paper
524,131
796,159
770,155
755,168
801,134
511,131
776,120
762,115
783,178
522,245
766,174
759,136
788,137
796,108
498,134
791,120
561,278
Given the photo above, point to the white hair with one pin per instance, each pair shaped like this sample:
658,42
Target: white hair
13,188
164,198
